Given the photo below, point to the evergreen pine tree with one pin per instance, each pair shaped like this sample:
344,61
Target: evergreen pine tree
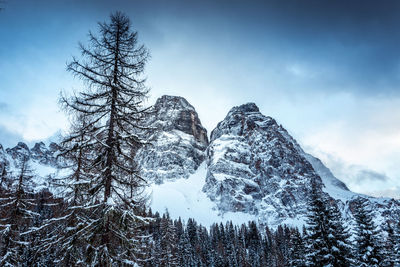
254,245
297,250
327,238
390,251
338,238
395,239
368,245
318,253
168,242
231,243
17,216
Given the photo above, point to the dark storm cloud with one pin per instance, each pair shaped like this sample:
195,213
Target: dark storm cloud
355,43
370,175
351,45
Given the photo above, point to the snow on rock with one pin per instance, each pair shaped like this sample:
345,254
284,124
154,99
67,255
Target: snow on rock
252,169
184,198
41,160
254,166
178,142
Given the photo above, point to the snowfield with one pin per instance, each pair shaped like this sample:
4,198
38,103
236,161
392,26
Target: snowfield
184,198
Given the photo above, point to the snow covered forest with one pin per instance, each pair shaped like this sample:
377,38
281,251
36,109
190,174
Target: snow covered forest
26,240
100,217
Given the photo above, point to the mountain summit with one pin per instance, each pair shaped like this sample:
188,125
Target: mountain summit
178,141
251,168
254,167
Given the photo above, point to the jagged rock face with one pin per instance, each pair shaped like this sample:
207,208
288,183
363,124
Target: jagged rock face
44,155
178,142
41,161
38,153
255,166
20,151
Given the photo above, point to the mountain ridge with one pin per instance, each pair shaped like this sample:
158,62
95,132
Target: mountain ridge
252,167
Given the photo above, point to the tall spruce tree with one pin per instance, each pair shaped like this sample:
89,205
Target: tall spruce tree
297,249
106,188
327,237
368,244
168,242
338,237
391,246
317,249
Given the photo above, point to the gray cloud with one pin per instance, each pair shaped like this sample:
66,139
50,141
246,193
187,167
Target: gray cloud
360,179
354,42
366,175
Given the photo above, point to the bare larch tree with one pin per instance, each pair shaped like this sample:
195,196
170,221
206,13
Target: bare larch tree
104,189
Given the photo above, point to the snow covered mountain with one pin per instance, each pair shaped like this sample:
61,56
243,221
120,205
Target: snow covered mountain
255,169
251,169
178,142
40,158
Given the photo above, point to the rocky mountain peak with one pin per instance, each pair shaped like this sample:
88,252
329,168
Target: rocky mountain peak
178,142
175,112
20,151
244,120
43,154
245,108
39,148
173,103
253,164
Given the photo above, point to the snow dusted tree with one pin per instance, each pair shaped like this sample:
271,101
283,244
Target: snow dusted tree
231,243
338,237
368,245
297,249
327,238
106,190
63,232
16,216
391,252
168,242
317,250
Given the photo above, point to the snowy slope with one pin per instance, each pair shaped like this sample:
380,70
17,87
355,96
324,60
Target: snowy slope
251,169
184,198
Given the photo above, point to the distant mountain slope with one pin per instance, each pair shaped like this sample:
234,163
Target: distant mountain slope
250,169
254,167
41,159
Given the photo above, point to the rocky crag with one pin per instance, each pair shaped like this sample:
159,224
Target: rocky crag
252,163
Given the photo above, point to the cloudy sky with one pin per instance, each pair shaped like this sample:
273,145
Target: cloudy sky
328,71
